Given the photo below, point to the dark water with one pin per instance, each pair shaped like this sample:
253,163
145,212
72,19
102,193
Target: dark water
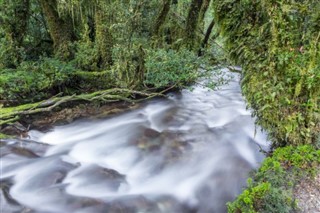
191,152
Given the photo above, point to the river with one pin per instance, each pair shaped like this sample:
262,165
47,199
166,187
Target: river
190,152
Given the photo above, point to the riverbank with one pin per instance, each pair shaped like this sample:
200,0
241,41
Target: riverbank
276,186
281,78
44,121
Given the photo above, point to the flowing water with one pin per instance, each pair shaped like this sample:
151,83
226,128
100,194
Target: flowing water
190,152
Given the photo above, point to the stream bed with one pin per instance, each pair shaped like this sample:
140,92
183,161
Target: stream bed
190,152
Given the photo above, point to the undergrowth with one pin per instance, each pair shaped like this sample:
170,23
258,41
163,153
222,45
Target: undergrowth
271,189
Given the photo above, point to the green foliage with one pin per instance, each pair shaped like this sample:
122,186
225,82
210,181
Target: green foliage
277,44
101,44
171,67
33,81
128,68
86,57
249,197
3,136
272,187
8,53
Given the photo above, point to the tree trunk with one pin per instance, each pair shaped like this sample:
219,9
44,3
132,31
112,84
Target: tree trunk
204,8
206,38
103,39
15,29
161,17
192,23
19,25
60,29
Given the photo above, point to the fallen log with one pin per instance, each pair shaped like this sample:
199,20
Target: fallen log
12,114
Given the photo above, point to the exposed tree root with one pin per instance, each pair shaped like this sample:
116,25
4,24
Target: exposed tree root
11,114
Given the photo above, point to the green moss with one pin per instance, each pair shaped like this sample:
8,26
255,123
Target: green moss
281,63
271,189
90,81
4,136
36,81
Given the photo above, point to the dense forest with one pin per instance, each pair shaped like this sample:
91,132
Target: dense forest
120,48
57,53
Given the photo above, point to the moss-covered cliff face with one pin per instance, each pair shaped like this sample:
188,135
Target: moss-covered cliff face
278,45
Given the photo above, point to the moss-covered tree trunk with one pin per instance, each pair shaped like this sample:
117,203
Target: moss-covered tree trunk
192,23
20,21
161,17
206,38
13,21
204,8
103,39
61,29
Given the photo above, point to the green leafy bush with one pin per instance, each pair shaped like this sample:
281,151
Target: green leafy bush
9,54
166,68
271,190
86,57
128,68
33,81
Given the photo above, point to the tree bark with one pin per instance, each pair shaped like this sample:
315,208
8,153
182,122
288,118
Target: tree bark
15,29
103,39
60,29
204,8
206,38
192,22
19,25
161,17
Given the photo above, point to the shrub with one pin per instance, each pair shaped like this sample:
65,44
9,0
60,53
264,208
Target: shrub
86,57
271,190
166,68
33,81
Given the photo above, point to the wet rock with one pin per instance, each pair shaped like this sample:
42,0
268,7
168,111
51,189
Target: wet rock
223,184
168,203
18,151
139,203
23,148
151,133
16,129
8,204
91,175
